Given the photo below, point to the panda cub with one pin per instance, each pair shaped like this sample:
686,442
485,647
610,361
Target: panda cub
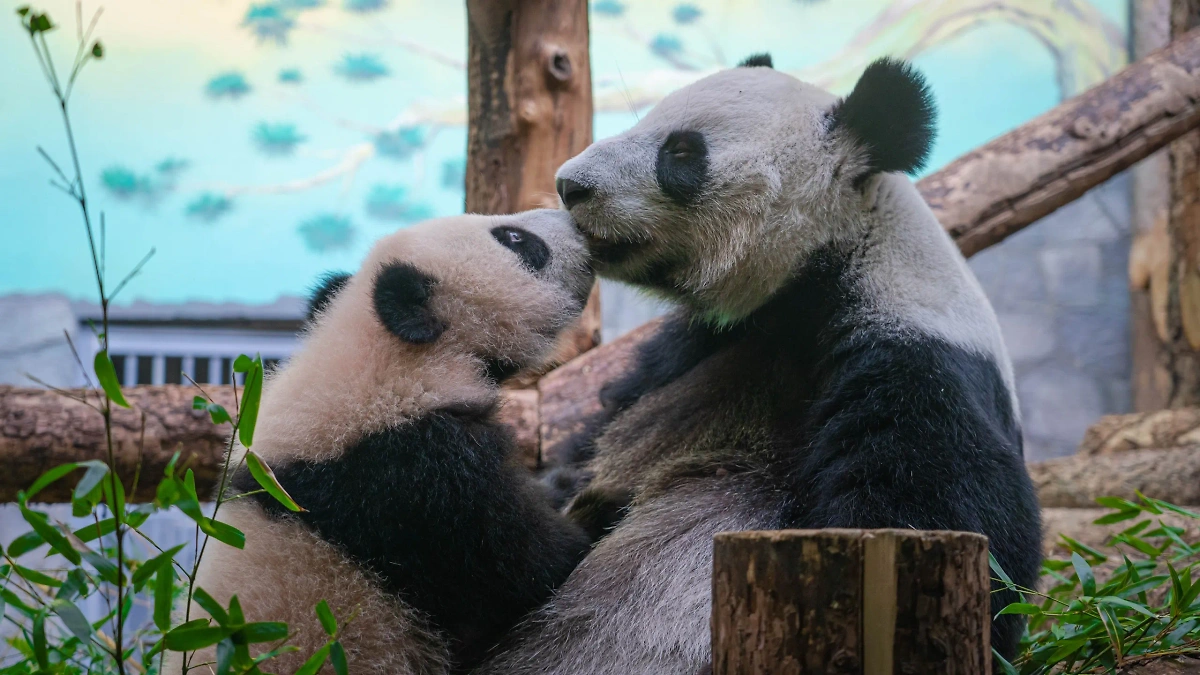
382,425
832,362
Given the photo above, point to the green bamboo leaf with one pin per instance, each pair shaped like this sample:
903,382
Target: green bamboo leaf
328,622
209,604
104,567
223,532
23,10
1118,504
37,577
25,543
314,662
96,471
74,620
1081,548
1112,629
189,484
242,364
50,534
1149,583
1178,590
1116,517
164,591
40,651
47,478
997,570
266,478
13,600
217,412
1020,608
1066,648
107,375
74,586
251,395
186,639
286,649
1087,578
1181,632
147,569
94,531
1114,601
236,617
114,497
337,656
225,653
263,631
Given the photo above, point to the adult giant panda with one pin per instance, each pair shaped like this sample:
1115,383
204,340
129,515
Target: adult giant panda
382,425
833,362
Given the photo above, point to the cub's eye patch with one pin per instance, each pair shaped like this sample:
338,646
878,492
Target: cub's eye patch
530,248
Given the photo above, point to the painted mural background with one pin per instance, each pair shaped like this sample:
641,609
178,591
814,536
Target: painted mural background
257,144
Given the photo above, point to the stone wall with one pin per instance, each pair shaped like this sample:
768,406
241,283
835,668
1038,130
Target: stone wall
1060,289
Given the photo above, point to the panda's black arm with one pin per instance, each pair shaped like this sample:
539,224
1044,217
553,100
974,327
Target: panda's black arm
917,433
437,510
680,345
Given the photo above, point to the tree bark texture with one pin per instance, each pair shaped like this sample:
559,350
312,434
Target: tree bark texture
1171,474
850,601
529,104
41,429
1165,260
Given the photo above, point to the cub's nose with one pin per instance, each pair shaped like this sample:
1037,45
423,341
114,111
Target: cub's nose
572,193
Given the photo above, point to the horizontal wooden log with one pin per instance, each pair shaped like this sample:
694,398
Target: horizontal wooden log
1135,431
1171,474
989,193
41,429
1003,186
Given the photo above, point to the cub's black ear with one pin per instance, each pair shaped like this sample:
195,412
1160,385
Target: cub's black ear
322,293
891,112
401,297
762,60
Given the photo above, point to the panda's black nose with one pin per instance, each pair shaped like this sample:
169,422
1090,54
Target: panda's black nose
572,193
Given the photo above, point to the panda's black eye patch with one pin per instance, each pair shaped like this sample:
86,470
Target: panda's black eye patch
683,166
532,249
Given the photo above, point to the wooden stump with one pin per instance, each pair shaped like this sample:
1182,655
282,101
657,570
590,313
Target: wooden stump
794,602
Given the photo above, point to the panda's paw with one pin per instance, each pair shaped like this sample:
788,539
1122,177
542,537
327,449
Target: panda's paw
598,511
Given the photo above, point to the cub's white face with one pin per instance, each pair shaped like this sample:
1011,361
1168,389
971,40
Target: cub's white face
714,196
433,309
497,287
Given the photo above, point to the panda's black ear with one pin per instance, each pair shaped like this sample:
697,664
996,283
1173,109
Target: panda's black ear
401,295
892,114
762,60
322,293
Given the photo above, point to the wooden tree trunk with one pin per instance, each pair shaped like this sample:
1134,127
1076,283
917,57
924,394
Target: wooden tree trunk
1165,262
791,602
529,110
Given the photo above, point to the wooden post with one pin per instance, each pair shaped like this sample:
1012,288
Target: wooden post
1165,261
794,602
529,110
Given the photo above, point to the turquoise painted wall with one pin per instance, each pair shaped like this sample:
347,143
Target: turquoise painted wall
255,145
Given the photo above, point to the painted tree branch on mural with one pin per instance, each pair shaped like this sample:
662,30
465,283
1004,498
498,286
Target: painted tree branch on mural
1084,45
